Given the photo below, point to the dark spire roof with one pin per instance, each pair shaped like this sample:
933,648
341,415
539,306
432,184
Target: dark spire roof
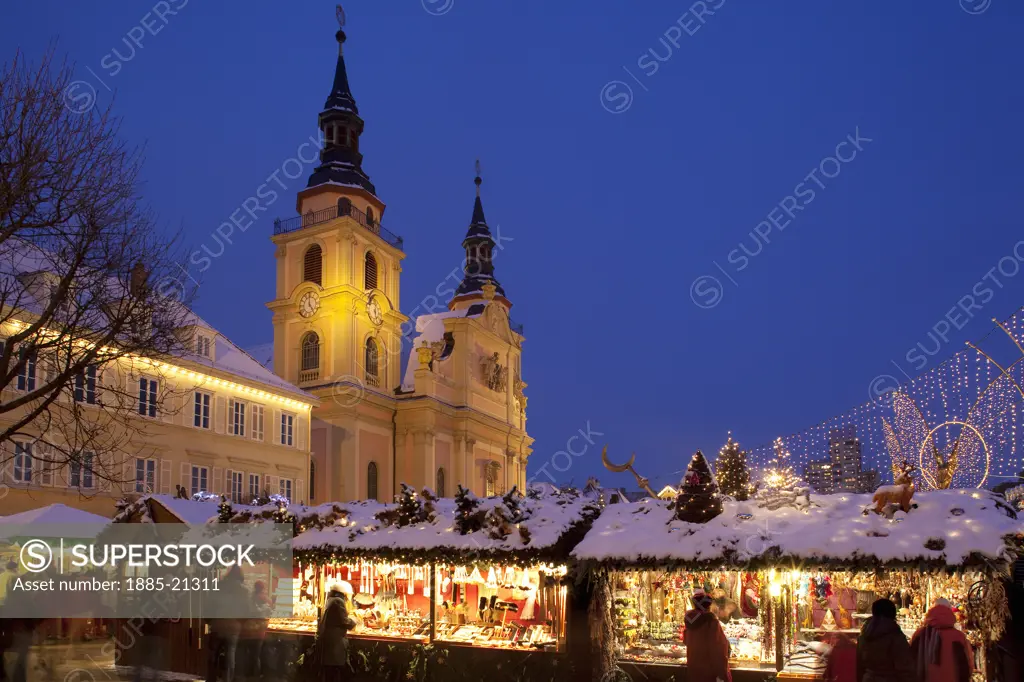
479,245
341,126
341,98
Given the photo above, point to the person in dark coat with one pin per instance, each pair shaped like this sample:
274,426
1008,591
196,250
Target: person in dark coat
707,648
224,632
332,637
883,654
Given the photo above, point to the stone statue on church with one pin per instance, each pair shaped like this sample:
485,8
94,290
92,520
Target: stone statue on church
495,376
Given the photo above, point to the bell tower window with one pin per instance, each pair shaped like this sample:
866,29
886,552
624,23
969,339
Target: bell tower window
313,265
370,272
370,363
344,206
371,220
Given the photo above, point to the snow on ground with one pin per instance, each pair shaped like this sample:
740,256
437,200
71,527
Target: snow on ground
834,528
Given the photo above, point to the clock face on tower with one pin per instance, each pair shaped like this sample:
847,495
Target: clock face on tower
309,304
373,310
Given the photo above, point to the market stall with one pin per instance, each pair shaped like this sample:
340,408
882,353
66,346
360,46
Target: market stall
788,576
462,574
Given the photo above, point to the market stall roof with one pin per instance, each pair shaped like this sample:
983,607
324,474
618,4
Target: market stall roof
167,509
947,528
547,527
55,514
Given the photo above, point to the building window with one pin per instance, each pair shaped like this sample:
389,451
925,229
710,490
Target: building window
254,486
369,271
201,416
23,462
313,265
312,480
236,418
81,472
147,396
257,422
145,475
372,376
27,372
203,345
85,385
491,479
371,481
285,489
371,220
235,485
200,479
310,351
344,206
287,429
439,483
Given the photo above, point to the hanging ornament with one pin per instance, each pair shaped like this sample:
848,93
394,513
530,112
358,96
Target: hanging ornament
461,576
510,577
492,579
475,577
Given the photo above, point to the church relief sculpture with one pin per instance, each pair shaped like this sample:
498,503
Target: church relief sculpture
495,376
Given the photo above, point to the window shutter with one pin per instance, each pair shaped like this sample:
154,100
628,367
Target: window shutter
169,406
128,475
220,416
276,428
164,482
300,435
102,471
272,484
186,477
229,484
46,469
300,491
218,480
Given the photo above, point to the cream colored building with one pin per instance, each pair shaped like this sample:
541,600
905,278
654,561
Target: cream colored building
212,421
456,414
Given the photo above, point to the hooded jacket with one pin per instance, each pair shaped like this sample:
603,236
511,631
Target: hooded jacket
707,648
883,654
940,651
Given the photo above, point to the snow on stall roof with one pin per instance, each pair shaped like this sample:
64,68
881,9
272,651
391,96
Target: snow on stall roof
548,519
55,513
833,529
192,512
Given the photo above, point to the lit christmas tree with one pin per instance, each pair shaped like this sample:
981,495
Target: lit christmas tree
780,486
732,471
698,500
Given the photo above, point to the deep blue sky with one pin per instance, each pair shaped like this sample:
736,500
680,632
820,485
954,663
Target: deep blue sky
613,216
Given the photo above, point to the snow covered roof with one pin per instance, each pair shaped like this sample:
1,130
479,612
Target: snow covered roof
191,512
263,354
54,513
958,526
430,329
551,525
20,259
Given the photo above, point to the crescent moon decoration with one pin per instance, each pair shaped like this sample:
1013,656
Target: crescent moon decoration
339,14
628,466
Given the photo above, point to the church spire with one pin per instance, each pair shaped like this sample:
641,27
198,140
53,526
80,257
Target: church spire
478,270
341,127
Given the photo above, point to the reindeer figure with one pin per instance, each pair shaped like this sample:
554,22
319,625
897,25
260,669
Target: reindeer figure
899,494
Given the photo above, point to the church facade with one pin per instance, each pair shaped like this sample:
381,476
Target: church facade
437,402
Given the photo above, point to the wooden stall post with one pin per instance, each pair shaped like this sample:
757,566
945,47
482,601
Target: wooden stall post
433,602
779,604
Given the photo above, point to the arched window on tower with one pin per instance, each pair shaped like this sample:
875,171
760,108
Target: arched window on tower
344,206
439,483
371,481
370,363
369,272
310,367
371,219
313,265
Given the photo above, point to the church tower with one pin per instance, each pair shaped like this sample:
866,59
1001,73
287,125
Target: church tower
452,410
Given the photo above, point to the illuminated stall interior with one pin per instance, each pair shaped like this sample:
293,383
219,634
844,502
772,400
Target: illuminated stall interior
481,572
787,583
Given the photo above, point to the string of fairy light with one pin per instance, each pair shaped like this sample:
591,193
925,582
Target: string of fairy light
966,404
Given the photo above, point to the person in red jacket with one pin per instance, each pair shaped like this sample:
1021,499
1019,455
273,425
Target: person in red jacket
842,660
707,649
940,651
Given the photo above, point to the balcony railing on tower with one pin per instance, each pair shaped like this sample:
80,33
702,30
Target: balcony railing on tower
318,217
